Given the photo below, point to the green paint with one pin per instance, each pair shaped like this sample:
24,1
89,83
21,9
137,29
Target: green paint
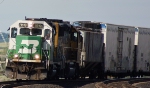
26,43
11,53
20,45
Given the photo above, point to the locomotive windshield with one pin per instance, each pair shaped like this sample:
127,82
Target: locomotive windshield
34,31
25,31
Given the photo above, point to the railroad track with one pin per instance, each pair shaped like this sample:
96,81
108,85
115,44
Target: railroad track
49,84
112,83
124,83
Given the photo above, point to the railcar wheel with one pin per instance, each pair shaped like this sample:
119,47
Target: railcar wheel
101,76
93,74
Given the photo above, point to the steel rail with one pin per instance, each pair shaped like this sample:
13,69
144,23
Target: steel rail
57,83
121,83
83,83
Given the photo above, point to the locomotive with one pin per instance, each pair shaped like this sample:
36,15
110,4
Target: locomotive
42,48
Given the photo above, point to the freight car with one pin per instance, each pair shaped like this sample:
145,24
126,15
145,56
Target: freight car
42,48
125,50
119,46
142,52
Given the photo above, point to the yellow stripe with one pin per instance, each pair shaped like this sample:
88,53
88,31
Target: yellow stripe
18,60
56,36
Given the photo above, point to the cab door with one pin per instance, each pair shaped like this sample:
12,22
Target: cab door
46,44
12,38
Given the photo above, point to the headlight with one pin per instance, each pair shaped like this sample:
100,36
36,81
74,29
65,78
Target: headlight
36,56
16,56
38,25
23,25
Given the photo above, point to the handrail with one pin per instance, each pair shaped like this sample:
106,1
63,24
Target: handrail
44,53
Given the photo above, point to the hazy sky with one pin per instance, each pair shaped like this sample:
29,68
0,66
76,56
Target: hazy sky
125,12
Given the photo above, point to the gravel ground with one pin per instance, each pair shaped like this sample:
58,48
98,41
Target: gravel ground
142,84
122,84
92,85
40,86
4,78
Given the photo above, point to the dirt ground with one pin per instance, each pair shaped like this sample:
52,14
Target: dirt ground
4,78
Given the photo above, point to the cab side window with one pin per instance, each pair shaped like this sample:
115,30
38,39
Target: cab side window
13,32
74,36
47,34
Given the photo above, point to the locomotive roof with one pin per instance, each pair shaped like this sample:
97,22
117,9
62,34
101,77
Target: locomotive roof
51,21
45,19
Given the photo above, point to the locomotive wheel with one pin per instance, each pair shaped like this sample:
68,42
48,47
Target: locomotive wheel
76,73
38,74
14,73
21,68
53,72
35,75
70,71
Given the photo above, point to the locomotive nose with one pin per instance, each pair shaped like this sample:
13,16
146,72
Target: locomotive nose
28,47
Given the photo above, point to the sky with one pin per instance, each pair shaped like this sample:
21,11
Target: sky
123,12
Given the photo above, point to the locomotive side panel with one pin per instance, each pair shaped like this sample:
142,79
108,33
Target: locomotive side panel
143,53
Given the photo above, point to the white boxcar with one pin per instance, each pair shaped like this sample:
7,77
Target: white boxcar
143,51
119,43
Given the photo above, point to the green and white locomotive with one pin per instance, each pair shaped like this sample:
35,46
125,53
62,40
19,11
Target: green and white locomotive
29,49
42,48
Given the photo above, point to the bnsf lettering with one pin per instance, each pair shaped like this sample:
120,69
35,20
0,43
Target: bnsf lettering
29,42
